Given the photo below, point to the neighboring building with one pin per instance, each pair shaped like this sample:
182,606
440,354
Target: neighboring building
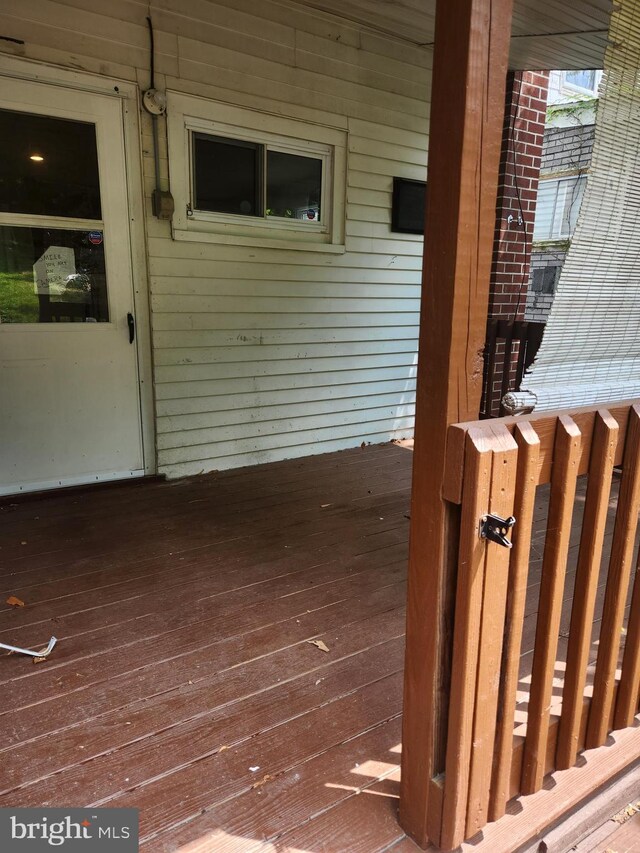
566,155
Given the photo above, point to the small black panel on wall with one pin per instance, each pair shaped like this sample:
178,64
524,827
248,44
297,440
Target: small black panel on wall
407,209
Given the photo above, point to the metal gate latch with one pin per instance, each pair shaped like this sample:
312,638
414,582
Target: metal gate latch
495,528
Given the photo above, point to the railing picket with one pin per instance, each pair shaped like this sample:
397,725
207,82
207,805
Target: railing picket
627,698
563,488
604,442
617,585
526,481
496,581
468,607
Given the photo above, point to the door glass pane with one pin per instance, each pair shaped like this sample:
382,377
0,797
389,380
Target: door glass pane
226,175
49,166
50,275
294,185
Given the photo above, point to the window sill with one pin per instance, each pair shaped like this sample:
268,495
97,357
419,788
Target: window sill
257,241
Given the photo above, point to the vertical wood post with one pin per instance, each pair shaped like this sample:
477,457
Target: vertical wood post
467,109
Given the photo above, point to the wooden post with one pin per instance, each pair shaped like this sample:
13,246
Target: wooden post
467,110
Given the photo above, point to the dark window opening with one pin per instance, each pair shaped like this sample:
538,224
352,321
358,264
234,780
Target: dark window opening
543,279
294,186
49,166
227,175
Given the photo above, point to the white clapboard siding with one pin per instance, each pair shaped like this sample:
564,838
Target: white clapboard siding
264,353
231,425
292,337
238,399
287,403
245,380
233,441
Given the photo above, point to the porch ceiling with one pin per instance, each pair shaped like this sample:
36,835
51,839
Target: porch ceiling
546,33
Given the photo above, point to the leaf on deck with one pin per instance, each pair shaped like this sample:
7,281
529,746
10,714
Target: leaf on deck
320,644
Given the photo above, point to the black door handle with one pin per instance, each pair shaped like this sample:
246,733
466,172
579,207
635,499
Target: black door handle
132,327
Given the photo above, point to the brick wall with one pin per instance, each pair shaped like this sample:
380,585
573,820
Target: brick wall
522,140
539,303
567,149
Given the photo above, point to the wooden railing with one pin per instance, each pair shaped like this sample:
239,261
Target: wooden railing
521,467
510,348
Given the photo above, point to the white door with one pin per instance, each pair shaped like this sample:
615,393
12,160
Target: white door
69,390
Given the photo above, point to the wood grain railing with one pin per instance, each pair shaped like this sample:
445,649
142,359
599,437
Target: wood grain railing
515,466
510,348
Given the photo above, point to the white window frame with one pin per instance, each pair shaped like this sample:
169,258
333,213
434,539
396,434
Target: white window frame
557,218
583,90
187,115
269,142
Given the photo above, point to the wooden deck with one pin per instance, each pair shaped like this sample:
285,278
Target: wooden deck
186,681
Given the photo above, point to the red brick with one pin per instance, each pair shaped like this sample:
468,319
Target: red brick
523,127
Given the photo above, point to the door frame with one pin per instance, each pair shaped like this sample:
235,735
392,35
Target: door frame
127,93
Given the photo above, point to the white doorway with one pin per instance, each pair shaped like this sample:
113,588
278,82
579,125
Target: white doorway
70,409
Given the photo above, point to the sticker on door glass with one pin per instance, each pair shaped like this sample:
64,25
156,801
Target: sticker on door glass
55,275
95,238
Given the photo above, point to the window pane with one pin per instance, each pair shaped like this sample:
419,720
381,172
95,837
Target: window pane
573,192
227,175
583,79
547,192
52,275
543,279
549,279
48,167
294,185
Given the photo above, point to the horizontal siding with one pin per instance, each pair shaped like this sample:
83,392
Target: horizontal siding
283,404
286,443
364,324
278,423
269,353
245,379
357,393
